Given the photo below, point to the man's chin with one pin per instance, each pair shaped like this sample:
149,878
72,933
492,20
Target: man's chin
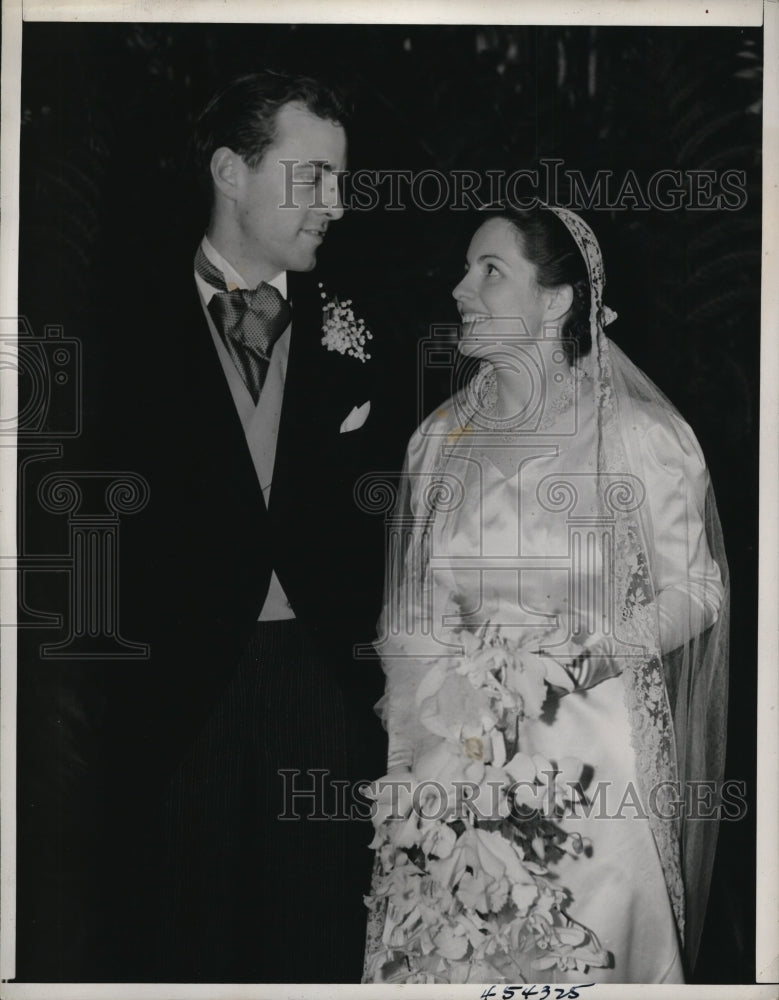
304,262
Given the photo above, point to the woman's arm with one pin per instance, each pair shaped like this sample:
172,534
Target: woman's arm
687,582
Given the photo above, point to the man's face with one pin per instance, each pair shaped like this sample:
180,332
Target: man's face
284,206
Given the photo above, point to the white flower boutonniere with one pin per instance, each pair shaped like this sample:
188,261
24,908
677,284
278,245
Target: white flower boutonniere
343,332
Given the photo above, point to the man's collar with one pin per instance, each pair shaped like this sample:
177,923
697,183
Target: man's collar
233,278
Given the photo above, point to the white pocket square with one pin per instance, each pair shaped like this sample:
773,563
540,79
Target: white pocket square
356,418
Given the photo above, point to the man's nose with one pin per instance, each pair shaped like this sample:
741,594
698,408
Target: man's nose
331,199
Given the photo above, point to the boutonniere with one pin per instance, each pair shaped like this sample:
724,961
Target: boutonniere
343,332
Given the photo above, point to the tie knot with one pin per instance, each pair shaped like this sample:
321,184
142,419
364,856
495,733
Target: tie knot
249,320
255,317
268,305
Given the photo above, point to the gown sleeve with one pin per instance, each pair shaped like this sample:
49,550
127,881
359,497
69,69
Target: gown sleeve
396,708
688,584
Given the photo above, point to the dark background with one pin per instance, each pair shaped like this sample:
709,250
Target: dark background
106,114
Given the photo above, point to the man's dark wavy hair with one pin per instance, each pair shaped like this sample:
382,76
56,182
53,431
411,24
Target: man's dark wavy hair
243,115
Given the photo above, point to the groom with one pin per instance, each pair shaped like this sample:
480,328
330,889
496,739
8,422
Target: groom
271,573
231,843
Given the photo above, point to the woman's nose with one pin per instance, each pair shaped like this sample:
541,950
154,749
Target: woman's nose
460,291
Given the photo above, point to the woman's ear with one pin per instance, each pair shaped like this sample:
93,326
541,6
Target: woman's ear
226,171
558,301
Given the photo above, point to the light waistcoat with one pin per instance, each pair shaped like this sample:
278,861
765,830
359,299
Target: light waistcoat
261,421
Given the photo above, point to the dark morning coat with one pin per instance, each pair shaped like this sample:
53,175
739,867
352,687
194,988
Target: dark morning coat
100,740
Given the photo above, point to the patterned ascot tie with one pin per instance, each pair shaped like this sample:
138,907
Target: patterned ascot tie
249,321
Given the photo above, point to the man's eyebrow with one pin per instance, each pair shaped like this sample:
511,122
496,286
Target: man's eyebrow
319,166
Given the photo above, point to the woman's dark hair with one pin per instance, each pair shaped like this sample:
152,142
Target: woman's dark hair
545,241
243,115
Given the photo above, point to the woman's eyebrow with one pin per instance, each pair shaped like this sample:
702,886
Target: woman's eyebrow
495,256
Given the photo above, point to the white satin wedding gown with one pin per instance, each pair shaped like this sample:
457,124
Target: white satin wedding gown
525,549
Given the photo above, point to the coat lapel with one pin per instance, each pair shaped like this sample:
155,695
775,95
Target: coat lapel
321,386
303,413
204,471
220,432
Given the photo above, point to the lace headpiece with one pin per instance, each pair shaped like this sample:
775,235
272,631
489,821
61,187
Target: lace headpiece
600,315
590,249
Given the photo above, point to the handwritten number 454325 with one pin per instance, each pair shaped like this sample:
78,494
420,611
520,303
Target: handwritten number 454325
539,992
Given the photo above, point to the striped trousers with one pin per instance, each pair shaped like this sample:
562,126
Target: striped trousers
267,857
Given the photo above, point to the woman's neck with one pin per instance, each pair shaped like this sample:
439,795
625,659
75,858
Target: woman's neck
536,372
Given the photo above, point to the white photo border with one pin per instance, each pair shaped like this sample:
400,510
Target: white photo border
623,12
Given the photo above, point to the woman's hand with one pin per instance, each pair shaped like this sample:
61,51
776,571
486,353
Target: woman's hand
594,662
391,796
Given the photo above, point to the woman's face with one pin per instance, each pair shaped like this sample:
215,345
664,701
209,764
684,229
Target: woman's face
499,299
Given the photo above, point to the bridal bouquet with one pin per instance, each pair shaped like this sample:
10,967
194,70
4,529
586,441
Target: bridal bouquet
463,889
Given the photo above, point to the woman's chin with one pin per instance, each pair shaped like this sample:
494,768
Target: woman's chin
474,347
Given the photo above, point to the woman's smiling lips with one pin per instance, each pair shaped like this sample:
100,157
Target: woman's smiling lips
472,318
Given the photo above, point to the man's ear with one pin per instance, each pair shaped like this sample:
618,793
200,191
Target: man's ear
227,169
559,301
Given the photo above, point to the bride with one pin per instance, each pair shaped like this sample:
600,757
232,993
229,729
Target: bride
554,639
